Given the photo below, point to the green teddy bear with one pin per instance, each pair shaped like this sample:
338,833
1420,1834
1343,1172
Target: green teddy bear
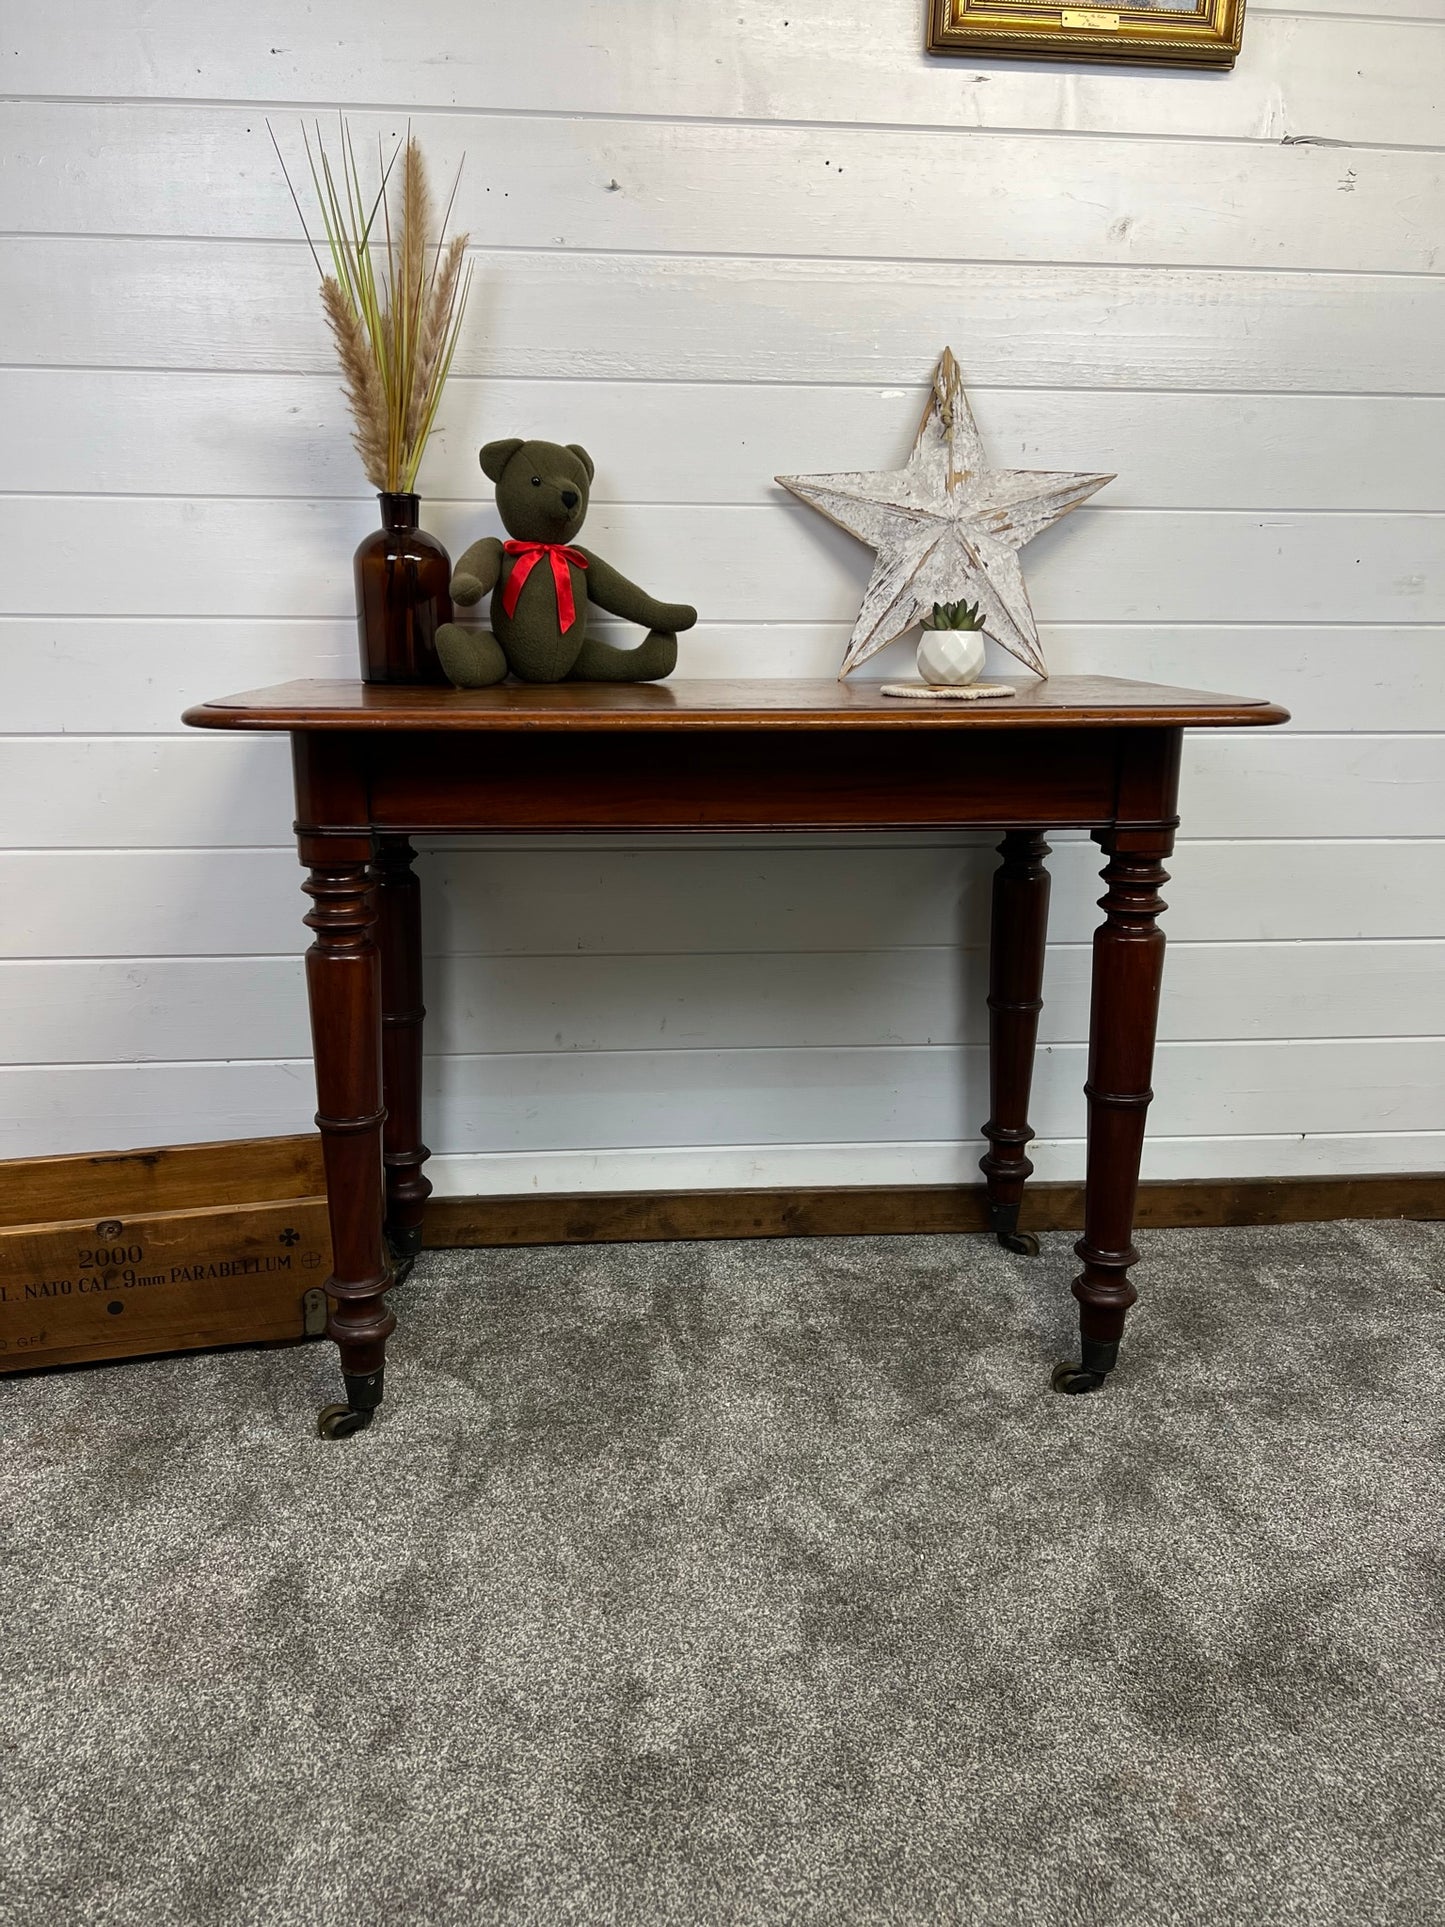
542,587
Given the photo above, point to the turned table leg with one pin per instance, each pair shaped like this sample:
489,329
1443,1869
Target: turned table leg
1128,968
343,981
402,1014
1015,986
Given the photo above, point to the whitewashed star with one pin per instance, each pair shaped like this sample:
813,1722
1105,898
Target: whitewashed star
945,528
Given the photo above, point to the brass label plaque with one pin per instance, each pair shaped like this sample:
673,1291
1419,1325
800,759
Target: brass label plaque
1093,17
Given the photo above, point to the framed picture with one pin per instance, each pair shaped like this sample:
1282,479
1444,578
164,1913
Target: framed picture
1167,33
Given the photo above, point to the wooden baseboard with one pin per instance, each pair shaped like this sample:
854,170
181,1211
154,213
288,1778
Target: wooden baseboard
863,1210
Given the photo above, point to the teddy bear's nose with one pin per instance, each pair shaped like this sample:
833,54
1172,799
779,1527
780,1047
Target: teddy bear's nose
569,498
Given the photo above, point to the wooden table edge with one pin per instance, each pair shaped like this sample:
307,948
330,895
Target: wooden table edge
1229,713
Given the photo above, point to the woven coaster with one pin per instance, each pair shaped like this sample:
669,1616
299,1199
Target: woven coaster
966,692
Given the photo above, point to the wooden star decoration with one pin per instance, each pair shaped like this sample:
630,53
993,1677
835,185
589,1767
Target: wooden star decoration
945,528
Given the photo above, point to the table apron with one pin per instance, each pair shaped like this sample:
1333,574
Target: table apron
732,780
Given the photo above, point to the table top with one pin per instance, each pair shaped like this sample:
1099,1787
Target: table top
1061,702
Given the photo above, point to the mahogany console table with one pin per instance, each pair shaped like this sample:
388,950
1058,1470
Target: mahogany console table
375,764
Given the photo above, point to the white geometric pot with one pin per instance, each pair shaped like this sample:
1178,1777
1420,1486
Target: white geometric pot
950,656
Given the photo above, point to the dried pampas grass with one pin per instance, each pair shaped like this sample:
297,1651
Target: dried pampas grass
433,340
362,382
394,301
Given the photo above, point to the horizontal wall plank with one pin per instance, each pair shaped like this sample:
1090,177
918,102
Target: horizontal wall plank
83,671
585,1100
1344,79
1315,786
788,1094
210,790
685,1167
711,897
169,557
678,187
249,305
948,1161
1370,678
1317,1155
1374,677
1361,9
175,1009
133,903
123,792
185,433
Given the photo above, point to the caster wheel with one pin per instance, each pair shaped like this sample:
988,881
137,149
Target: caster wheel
1023,1242
1074,1379
340,1421
401,1269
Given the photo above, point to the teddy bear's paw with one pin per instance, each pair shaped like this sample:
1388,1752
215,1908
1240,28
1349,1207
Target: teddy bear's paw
653,658
472,658
674,616
466,589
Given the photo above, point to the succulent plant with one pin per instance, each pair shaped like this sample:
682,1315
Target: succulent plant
953,615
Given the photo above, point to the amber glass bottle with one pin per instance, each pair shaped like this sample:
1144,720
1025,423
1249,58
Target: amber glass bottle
403,595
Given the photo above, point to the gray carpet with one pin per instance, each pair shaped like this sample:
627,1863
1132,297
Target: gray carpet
750,1583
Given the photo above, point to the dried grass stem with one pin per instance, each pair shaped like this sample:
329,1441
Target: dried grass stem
394,301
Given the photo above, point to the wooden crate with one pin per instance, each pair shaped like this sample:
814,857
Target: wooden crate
125,1254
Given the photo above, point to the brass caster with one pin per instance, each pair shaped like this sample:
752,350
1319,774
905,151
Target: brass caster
1003,1222
340,1421
1074,1379
1023,1242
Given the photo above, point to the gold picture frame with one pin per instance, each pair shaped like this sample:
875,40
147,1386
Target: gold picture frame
1168,33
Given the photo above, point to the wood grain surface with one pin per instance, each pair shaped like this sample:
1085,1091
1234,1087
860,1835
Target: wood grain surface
1062,702
891,1210
124,1285
249,305
690,187
165,1178
1172,449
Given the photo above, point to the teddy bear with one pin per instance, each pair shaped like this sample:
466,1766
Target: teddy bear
542,587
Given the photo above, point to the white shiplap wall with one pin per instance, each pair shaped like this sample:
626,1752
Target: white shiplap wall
715,244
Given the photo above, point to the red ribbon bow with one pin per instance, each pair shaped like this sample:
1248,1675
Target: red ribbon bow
528,555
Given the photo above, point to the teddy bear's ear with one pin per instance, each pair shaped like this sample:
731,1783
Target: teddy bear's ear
495,456
576,448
